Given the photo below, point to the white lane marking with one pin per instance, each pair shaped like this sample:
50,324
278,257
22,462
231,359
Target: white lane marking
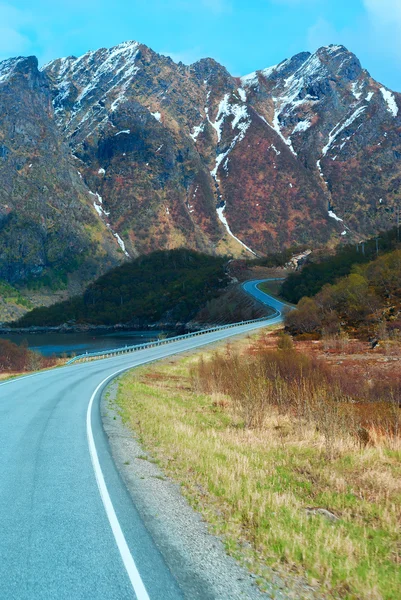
129,563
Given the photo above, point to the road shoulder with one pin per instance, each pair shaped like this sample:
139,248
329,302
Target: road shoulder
195,557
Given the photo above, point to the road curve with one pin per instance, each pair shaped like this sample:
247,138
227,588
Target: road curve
69,529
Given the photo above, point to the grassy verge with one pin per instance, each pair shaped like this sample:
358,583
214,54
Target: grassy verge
273,289
265,489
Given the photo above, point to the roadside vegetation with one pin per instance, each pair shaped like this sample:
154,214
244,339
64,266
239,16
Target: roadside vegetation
16,358
292,454
367,301
328,268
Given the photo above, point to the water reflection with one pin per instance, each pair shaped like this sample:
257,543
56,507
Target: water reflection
78,343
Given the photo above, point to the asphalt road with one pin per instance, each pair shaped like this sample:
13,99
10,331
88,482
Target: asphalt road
69,529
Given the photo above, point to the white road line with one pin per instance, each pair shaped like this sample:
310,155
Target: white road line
19,377
129,563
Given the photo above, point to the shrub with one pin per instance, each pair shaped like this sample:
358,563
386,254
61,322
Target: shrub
306,319
18,358
305,388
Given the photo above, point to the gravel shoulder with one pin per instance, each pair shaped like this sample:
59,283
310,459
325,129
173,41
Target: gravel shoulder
196,557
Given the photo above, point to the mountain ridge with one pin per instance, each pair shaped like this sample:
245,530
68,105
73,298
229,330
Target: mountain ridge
155,154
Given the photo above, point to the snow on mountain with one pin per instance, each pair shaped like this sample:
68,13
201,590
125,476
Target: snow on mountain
390,101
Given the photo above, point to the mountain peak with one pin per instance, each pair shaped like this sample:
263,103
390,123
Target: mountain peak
340,60
333,49
207,68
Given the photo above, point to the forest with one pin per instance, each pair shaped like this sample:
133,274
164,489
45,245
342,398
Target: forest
328,268
368,301
164,285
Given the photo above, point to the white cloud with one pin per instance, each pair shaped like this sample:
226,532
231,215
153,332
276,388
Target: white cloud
12,39
12,42
384,11
384,17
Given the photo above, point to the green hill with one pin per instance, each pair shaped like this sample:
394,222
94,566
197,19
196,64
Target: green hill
329,268
164,285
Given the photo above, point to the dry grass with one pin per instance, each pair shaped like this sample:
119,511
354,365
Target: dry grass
260,444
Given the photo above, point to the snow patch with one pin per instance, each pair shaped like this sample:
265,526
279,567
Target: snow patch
369,96
333,48
114,67
101,171
334,216
197,130
157,116
354,88
220,213
269,70
242,94
123,131
241,122
277,128
275,149
390,100
98,205
120,243
7,68
250,80
103,214
335,132
302,126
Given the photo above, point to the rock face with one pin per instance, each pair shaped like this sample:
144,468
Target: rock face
47,223
122,151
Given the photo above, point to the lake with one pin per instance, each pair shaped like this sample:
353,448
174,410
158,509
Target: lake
78,343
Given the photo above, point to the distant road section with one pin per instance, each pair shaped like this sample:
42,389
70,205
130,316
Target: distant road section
251,287
69,529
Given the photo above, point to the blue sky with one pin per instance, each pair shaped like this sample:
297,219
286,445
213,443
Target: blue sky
244,35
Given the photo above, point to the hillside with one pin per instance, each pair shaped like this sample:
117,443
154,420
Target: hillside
327,267
366,302
121,152
170,286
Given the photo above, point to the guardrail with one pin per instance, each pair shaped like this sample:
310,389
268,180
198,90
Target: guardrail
126,349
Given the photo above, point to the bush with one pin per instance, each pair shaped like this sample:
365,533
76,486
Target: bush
329,269
306,389
306,319
18,359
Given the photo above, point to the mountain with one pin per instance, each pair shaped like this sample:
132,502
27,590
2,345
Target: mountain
121,151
